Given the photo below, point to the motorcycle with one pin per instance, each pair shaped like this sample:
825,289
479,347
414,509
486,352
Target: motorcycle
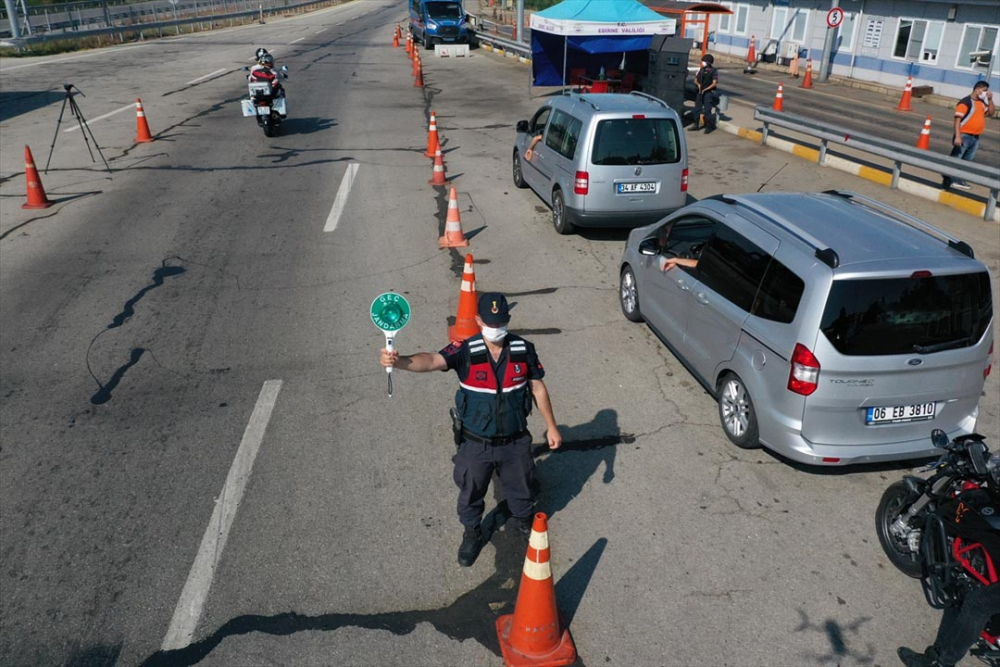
264,105
915,537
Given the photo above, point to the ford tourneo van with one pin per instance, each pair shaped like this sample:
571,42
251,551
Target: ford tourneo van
603,160
831,328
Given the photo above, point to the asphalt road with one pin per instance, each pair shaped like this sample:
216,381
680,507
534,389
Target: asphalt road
148,316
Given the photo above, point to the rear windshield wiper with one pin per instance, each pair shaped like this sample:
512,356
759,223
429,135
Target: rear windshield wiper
940,347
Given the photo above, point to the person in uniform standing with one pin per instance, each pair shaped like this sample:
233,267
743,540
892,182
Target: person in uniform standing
970,123
707,83
499,378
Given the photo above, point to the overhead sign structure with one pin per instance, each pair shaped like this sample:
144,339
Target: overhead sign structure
390,312
835,17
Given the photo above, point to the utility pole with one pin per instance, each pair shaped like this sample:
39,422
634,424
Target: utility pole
15,26
829,36
519,27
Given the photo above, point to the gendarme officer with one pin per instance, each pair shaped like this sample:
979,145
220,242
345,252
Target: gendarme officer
499,377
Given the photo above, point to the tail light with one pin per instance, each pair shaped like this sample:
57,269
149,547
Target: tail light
989,362
804,375
581,185
684,180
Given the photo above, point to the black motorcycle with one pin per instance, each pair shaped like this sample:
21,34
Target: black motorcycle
922,542
266,102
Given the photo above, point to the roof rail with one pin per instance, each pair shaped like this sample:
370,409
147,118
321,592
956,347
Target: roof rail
900,216
650,98
824,253
581,98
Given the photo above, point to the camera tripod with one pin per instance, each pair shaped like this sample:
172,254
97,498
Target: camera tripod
88,135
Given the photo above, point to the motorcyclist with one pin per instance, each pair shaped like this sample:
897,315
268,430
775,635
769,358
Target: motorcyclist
258,54
961,626
264,71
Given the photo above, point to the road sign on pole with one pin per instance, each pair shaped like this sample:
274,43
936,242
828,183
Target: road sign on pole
835,17
390,312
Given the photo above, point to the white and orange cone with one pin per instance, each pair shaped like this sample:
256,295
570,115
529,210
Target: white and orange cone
433,143
438,175
904,101
468,305
779,97
924,141
453,235
36,193
142,135
807,82
534,635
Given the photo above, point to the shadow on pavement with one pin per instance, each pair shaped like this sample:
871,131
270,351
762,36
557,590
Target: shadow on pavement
17,102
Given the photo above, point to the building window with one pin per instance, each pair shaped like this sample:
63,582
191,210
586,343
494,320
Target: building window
742,14
918,40
979,43
724,19
789,25
846,35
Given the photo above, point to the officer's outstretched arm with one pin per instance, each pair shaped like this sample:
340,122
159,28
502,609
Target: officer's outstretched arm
541,395
422,362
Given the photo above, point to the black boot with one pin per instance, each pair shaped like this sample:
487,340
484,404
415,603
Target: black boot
913,659
522,526
472,544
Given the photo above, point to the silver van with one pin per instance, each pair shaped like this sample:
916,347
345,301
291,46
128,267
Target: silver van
603,160
831,328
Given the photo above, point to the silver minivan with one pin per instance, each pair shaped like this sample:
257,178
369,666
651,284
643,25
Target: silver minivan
603,160
830,328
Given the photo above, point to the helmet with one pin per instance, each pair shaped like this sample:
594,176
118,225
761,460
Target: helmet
267,60
259,53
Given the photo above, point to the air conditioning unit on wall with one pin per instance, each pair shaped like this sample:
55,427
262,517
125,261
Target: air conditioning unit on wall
790,49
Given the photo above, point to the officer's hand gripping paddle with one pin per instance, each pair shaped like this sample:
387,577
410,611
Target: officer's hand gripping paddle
390,313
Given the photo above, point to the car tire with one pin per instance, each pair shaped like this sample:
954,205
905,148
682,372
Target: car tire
428,43
559,219
737,413
517,171
628,296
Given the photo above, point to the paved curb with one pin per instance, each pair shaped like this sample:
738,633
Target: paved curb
955,201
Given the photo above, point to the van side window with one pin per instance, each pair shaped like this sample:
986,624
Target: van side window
537,124
779,295
684,238
563,134
733,266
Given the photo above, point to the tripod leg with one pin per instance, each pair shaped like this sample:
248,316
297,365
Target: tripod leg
58,123
85,130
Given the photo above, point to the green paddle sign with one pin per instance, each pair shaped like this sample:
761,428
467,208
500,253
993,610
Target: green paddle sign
390,313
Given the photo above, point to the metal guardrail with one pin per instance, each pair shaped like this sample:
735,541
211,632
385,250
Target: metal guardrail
483,36
900,154
255,8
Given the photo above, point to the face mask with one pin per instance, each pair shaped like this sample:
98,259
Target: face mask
495,335
704,64
982,96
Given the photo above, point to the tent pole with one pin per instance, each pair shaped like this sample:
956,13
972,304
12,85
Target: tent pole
565,42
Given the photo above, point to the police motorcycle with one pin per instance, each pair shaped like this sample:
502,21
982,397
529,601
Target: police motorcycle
921,535
266,100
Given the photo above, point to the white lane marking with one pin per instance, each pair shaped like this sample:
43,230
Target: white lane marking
341,200
207,76
199,581
101,117
341,23
96,52
297,40
319,31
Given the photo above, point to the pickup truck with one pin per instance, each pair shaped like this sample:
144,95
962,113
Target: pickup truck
438,22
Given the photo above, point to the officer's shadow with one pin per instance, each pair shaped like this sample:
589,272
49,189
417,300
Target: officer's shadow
561,474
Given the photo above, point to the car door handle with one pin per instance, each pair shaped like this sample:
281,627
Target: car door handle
701,298
682,285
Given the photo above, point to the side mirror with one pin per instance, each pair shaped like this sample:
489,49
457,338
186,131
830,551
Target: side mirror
939,439
648,247
284,68
522,126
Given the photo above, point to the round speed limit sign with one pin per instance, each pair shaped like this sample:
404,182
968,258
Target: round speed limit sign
835,17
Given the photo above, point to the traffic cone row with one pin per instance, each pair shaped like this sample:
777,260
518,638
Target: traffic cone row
904,101
779,104
395,37
924,141
807,82
437,175
453,235
468,300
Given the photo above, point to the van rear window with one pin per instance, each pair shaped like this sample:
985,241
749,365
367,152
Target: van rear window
636,141
871,317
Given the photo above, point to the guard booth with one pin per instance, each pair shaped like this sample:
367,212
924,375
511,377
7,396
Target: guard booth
693,17
668,70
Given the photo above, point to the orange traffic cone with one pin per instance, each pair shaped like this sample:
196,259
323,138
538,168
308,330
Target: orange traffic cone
438,174
779,104
433,143
465,322
395,38
925,135
904,101
418,82
142,135
807,82
409,46
416,61
751,56
453,236
533,635
36,193
399,33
